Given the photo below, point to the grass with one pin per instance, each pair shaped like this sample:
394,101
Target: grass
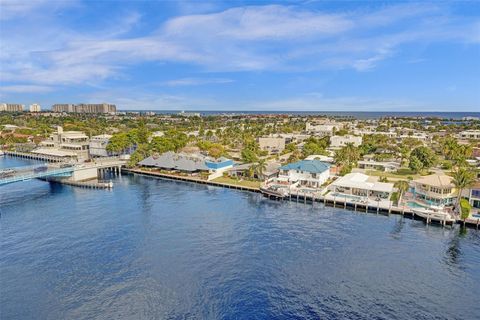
244,183
401,174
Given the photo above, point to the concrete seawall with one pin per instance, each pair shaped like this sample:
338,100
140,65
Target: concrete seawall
304,198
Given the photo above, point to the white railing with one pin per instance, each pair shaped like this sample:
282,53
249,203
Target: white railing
35,175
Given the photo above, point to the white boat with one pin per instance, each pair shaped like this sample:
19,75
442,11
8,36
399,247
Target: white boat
2,153
434,213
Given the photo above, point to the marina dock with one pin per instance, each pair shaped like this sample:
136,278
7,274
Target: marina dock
306,198
190,179
33,156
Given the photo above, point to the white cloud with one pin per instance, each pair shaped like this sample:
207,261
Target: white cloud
257,23
195,82
26,89
261,38
19,9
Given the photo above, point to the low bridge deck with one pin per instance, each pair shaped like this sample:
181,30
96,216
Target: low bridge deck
17,174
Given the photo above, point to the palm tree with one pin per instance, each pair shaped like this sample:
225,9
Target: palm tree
260,168
402,187
462,179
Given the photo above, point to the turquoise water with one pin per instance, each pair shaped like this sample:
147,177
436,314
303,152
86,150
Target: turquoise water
414,205
157,249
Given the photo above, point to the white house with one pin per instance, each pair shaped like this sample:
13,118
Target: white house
65,144
470,135
361,185
323,129
309,173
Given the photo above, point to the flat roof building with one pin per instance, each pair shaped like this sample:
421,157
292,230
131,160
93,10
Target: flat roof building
85,108
35,107
337,142
470,135
361,185
11,107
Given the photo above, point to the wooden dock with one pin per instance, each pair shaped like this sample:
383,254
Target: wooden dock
305,198
191,179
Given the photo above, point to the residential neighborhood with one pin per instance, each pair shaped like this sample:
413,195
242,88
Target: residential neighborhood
422,165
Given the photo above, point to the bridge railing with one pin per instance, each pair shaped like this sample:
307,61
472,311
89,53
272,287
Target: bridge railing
33,175
23,168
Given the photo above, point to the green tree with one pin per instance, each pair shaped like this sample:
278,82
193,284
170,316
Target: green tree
462,179
141,153
415,164
314,146
402,187
249,155
347,156
465,208
119,142
260,168
422,158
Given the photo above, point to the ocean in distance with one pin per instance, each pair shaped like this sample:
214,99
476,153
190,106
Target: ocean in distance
349,114
158,249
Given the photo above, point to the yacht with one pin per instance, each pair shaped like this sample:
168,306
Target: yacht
436,213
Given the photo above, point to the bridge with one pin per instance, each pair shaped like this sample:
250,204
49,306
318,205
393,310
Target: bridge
17,174
77,172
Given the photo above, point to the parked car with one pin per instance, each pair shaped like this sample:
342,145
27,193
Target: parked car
7,173
40,169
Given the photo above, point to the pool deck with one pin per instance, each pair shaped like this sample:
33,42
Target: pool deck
372,206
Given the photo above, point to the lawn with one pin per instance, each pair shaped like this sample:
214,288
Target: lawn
401,174
245,183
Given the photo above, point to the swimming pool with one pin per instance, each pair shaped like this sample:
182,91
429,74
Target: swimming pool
348,196
413,204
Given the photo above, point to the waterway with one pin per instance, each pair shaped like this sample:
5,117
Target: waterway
157,249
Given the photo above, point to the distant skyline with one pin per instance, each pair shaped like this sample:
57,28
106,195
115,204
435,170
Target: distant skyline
243,55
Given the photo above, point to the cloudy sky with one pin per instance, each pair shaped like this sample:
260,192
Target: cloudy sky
243,55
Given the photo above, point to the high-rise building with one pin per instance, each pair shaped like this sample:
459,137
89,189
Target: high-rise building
85,108
35,107
11,107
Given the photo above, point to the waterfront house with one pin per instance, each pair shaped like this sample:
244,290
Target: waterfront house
241,170
73,144
188,163
436,189
473,195
361,185
309,173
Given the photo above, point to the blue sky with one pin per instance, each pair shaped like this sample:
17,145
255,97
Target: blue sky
243,55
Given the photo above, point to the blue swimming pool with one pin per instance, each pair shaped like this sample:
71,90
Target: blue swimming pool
413,204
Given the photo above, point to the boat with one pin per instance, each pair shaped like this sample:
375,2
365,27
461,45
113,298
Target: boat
273,191
434,213
2,153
